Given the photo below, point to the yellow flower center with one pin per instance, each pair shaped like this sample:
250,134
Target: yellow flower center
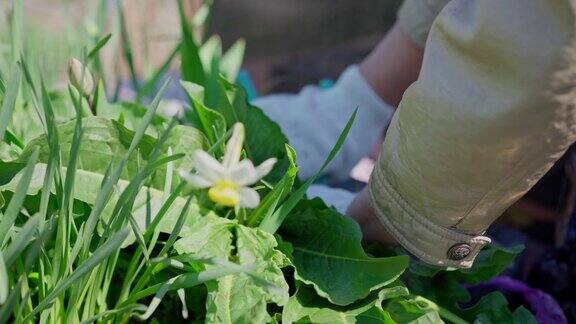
225,193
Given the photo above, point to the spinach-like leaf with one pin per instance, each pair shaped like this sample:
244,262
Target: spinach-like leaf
493,308
238,298
264,138
328,255
106,141
306,304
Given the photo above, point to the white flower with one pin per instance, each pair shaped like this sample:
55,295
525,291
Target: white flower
229,181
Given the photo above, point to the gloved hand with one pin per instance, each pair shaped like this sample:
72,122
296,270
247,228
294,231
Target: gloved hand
313,119
334,197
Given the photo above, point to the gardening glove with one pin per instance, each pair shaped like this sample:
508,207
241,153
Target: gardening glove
492,110
313,119
337,198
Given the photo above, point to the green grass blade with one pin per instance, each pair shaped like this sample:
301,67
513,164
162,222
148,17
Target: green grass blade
10,138
15,204
123,207
126,46
126,199
112,178
191,64
272,223
177,227
16,26
30,82
280,191
164,209
186,280
147,119
116,311
4,285
9,101
111,246
21,241
201,16
53,166
67,194
232,61
2,85
11,301
101,43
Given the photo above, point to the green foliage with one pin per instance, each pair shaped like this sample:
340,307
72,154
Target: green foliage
96,224
446,287
306,304
493,308
328,255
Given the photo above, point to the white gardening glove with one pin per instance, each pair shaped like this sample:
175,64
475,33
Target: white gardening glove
333,197
313,119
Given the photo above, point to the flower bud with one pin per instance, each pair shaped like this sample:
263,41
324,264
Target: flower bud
75,71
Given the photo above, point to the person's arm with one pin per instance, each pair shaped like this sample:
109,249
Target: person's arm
393,65
492,110
313,119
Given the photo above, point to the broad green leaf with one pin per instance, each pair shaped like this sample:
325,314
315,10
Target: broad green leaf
208,236
233,105
410,311
86,188
129,115
307,304
103,142
240,298
106,142
493,308
489,263
237,298
445,287
210,121
328,255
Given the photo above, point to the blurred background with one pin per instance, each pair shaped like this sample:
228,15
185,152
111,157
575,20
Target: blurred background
289,42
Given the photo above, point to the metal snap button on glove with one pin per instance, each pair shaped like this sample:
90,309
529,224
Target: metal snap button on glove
459,251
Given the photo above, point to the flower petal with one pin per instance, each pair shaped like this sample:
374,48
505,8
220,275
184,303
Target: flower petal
243,173
208,166
263,169
249,198
234,146
196,180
